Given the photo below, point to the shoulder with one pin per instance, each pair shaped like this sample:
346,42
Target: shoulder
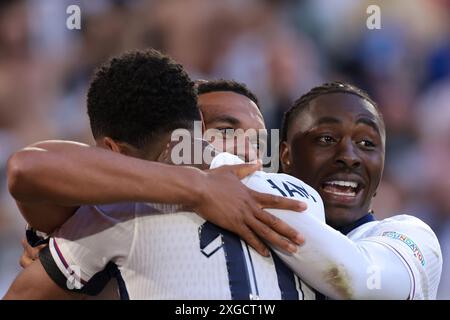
396,226
112,213
416,244
93,219
406,231
406,223
405,228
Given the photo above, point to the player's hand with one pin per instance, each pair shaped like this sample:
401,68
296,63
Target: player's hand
231,205
29,253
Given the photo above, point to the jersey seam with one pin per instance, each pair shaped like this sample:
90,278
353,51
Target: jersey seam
133,241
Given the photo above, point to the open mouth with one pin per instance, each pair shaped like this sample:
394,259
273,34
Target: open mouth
343,190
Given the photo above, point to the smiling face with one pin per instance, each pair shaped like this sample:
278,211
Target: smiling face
337,145
228,111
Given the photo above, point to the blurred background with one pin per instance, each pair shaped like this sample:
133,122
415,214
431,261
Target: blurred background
280,49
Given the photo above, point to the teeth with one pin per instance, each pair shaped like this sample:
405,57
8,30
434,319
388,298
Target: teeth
347,194
343,183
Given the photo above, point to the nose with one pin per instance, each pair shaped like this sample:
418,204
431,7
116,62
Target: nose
241,146
250,150
347,156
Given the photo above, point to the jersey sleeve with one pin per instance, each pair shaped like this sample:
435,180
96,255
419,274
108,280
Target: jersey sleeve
225,158
289,187
303,192
278,184
417,247
85,252
341,268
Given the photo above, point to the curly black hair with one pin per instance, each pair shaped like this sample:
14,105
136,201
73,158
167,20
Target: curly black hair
303,102
139,95
207,86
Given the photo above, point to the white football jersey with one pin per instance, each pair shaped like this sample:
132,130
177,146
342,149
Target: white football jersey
158,252
414,243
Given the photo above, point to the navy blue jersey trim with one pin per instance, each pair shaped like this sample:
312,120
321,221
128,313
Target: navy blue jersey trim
253,269
286,280
33,239
239,279
350,227
92,288
52,269
123,292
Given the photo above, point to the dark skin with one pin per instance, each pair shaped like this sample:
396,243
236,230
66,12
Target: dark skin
338,137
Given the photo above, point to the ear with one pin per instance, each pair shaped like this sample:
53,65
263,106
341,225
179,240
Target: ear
285,157
121,147
111,144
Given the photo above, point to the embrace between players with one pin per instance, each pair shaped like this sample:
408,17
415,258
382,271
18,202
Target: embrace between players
124,222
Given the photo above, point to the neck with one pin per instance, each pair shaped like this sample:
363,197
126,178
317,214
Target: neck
368,217
190,151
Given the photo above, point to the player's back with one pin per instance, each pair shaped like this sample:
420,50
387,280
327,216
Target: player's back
190,258
162,253
182,256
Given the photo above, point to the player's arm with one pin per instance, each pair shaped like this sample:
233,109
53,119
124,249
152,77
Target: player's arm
33,283
72,174
49,180
343,269
80,258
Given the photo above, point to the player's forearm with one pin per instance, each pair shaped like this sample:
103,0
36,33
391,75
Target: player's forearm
67,173
341,268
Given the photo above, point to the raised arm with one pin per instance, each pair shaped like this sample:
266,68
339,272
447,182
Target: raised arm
72,174
50,179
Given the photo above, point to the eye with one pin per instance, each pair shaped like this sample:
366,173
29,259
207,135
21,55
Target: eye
226,131
366,144
325,140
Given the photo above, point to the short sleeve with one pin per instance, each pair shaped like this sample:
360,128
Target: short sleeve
89,246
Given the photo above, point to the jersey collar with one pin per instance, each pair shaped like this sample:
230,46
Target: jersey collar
350,227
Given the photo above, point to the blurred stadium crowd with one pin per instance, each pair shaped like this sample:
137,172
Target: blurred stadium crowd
280,49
